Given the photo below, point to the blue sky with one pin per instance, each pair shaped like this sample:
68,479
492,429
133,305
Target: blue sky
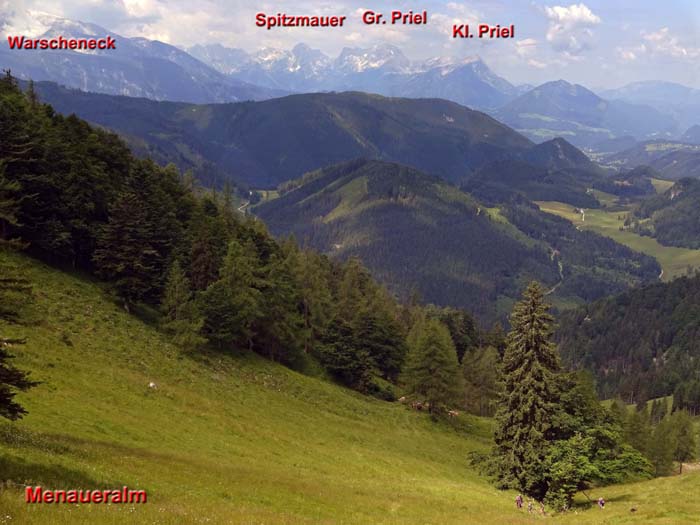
596,43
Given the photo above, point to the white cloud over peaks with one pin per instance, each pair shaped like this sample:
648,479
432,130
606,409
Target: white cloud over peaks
570,28
664,42
455,13
661,43
526,47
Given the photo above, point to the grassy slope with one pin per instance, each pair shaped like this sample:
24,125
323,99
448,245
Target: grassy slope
674,261
661,185
238,439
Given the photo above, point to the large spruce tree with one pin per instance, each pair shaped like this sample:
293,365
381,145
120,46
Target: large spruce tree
529,401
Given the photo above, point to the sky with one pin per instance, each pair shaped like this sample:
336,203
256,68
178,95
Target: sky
598,43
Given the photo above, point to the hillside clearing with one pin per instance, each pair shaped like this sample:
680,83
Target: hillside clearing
236,439
674,261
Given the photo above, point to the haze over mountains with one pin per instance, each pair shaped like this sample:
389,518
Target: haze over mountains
213,73
382,69
553,109
680,102
561,109
674,160
138,67
265,143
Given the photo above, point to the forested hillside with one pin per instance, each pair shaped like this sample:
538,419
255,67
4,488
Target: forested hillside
674,160
500,181
417,233
641,344
78,199
263,144
673,218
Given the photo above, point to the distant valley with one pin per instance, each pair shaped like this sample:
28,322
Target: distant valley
418,234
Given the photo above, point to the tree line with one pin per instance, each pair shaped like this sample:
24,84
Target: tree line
641,344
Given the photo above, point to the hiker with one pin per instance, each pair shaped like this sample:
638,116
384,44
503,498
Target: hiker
601,503
529,507
519,501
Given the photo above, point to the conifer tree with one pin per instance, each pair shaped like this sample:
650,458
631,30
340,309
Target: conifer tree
347,361
685,449
209,242
126,253
181,318
432,369
9,205
15,288
480,371
662,446
461,325
12,380
529,402
312,273
381,336
638,430
618,411
281,322
15,291
231,305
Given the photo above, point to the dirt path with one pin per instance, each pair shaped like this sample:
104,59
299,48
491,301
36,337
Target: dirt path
561,278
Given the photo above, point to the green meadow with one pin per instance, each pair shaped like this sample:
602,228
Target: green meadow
673,260
237,439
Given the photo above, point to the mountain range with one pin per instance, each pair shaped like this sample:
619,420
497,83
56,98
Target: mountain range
554,109
673,160
680,102
382,69
263,144
561,109
138,67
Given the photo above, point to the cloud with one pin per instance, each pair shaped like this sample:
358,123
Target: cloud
525,48
569,28
627,54
456,14
662,43
536,63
